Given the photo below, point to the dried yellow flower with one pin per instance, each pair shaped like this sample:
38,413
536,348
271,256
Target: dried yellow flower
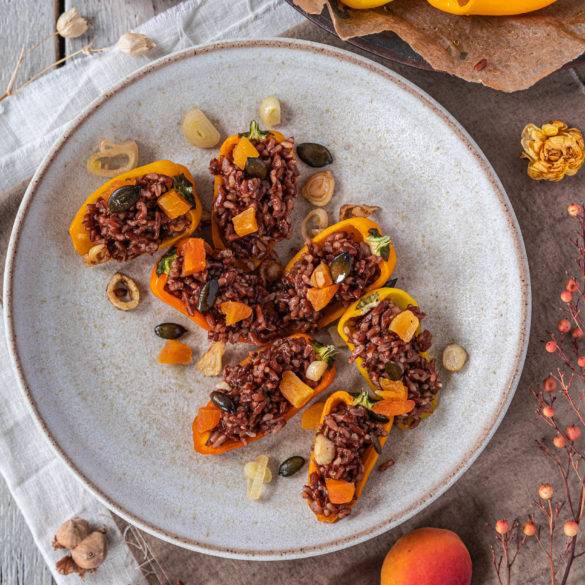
555,150
71,24
134,44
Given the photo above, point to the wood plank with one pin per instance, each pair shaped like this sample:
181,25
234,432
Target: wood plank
23,24
111,18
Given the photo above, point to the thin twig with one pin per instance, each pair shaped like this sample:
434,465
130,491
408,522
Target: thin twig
12,80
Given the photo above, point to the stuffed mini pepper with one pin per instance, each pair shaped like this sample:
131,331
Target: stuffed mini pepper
255,188
334,269
383,331
135,213
259,395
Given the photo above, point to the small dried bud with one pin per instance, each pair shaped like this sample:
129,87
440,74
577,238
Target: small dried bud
571,528
71,533
502,527
574,209
564,326
71,25
551,346
559,441
135,44
573,432
548,411
529,528
549,384
566,296
545,491
577,333
581,362
572,285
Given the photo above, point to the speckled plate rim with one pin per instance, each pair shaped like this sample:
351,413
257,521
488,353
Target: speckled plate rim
440,486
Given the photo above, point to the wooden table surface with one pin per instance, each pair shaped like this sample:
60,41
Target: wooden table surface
503,480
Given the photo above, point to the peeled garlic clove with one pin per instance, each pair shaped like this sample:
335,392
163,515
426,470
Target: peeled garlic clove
454,357
315,221
316,370
198,129
324,450
91,552
270,111
318,188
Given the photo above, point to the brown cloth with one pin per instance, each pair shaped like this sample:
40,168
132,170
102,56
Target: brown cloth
506,53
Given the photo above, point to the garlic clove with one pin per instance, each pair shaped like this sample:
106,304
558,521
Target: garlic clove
270,111
315,370
324,450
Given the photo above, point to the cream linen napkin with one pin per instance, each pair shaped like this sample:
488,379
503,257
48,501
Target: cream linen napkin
44,488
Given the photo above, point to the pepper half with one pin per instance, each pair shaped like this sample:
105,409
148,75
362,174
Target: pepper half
363,306
79,235
200,439
360,228
370,457
489,7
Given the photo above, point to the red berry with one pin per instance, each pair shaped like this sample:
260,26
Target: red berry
572,285
573,432
551,346
577,333
571,528
548,411
566,296
529,528
581,362
574,209
559,441
564,326
549,384
502,527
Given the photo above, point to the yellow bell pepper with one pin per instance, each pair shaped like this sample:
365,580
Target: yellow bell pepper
363,306
79,235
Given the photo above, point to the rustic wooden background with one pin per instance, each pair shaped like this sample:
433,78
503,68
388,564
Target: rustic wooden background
503,480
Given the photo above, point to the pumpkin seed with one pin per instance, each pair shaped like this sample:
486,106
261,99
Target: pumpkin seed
376,443
170,330
255,167
208,295
394,370
124,198
377,417
223,402
313,154
391,283
340,267
291,465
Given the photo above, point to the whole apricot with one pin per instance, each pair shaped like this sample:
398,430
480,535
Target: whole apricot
427,556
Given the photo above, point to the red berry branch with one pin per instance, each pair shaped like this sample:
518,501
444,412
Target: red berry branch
554,525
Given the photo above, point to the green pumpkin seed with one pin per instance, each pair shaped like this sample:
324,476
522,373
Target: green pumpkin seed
291,465
223,402
208,295
313,154
394,370
376,443
170,330
124,198
340,267
256,167
377,417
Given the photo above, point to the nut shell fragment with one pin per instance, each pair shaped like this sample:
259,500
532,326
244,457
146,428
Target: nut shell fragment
123,292
350,210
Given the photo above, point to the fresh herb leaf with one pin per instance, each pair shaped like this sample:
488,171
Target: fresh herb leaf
326,353
184,187
391,283
379,245
363,399
164,264
366,304
255,133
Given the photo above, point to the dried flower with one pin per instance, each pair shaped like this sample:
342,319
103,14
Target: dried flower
571,528
574,209
559,441
572,285
551,346
548,411
549,384
564,326
135,44
502,527
573,432
554,150
529,528
545,491
71,24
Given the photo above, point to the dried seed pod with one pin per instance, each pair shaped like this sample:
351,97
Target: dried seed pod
123,292
315,221
71,24
135,44
454,357
97,254
198,129
90,553
318,188
350,210
71,533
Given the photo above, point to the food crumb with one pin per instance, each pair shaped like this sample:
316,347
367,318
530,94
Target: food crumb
386,465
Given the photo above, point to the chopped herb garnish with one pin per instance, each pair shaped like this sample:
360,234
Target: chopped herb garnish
363,399
366,304
184,187
164,264
254,133
326,353
379,245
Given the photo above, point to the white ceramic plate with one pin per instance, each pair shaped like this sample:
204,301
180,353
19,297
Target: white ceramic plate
123,423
